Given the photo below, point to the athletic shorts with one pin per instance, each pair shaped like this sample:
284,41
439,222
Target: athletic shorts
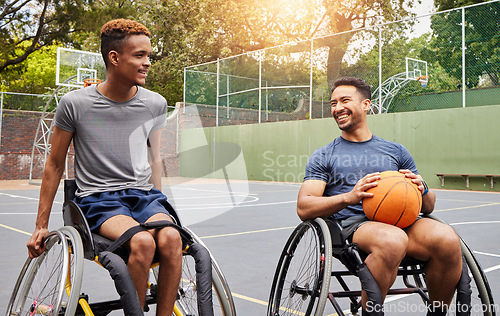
351,224
138,204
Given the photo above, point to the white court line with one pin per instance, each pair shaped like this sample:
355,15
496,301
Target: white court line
28,213
473,223
25,197
198,196
486,254
250,199
468,201
216,191
467,207
235,206
491,269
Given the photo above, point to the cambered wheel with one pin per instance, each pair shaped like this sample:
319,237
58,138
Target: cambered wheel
50,283
302,278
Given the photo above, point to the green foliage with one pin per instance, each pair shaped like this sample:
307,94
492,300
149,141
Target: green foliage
190,32
36,75
482,38
31,25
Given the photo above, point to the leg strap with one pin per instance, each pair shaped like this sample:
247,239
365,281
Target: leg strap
127,235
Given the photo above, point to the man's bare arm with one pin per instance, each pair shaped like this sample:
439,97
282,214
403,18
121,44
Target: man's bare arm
54,168
154,158
311,203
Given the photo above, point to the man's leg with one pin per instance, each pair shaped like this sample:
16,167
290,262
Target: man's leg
437,243
170,249
142,248
386,247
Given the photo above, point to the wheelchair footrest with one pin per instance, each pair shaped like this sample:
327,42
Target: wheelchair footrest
104,308
391,292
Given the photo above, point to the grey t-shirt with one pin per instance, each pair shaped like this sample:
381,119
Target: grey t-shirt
342,163
110,138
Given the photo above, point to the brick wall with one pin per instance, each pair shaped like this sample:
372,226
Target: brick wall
19,129
18,133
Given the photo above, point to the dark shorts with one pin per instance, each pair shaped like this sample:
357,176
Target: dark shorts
138,204
351,224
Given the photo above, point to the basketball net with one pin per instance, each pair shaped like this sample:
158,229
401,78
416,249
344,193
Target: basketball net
423,81
89,82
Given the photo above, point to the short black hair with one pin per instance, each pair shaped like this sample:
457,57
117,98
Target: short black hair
361,86
114,34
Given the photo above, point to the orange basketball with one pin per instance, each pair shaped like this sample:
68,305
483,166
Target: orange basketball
396,200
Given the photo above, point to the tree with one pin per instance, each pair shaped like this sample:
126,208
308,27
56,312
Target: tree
27,26
482,35
263,24
184,33
36,75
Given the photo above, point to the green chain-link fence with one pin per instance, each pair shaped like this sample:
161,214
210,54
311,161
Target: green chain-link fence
458,65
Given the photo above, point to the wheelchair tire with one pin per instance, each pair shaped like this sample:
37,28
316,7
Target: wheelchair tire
302,278
481,298
74,284
187,303
41,285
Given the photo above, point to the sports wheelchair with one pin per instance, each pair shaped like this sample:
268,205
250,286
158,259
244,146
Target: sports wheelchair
304,279
50,284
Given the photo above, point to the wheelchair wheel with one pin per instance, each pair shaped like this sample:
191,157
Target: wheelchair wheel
481,299
50,283
187,303
302,278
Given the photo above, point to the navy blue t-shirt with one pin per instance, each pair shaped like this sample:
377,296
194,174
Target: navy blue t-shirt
342,163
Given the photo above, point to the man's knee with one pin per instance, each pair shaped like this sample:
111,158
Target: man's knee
393,246
169,242
386,242
143,246
447,243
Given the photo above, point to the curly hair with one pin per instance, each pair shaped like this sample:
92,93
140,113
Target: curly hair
116,32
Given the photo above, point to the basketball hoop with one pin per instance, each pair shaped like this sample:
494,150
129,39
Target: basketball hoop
423,81
89,82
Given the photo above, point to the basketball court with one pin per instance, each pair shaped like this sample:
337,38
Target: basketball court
245,224
246,238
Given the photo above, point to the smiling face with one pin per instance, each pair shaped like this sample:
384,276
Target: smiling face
349,108
132,62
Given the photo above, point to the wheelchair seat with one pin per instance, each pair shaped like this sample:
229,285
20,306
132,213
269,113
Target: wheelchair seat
93,243
340,250
113,255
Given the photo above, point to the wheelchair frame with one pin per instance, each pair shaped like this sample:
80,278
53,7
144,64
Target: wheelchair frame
50,284
301,284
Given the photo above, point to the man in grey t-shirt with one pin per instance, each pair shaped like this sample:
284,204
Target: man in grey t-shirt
337,177
115,127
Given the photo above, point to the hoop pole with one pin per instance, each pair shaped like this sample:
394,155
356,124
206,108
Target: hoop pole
463,57
217,100
380,70
311,82
1,116
260,87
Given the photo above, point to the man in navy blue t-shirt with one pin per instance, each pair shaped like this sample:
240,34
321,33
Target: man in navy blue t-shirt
336,179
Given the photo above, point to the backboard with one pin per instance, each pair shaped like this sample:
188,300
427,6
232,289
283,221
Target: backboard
74,66
416,70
